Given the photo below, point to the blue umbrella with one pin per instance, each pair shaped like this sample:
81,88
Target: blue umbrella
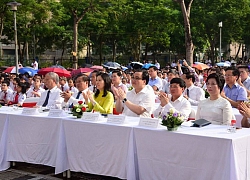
124,68
113,65
146,66
136,65
27,70
223,64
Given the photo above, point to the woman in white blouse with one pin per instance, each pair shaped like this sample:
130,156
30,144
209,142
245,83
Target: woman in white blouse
215,109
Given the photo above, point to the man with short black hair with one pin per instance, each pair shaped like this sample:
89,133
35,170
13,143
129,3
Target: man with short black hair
5,93
192,93
244,79
154,81
82,84
233,92
176,101
138,102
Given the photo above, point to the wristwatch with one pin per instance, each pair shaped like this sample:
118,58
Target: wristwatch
124,100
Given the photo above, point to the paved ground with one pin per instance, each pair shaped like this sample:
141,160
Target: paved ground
25,171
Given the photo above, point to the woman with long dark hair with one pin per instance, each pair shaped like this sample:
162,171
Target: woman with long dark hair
102,100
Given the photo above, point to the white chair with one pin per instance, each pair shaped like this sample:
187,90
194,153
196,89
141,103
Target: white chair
30,102
192,115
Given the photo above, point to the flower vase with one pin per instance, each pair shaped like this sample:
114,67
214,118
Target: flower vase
172,129
78,116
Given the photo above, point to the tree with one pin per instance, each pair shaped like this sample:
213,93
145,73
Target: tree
186,10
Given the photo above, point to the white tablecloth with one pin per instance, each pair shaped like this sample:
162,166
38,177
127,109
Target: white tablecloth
37,140
100,148
3,139
208,153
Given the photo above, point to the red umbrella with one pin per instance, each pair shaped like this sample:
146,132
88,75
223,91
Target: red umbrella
11,69
61,72
81,70
97,67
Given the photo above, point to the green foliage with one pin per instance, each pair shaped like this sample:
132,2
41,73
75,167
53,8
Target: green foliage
123,27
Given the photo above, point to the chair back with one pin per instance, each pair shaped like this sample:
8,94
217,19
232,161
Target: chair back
30,102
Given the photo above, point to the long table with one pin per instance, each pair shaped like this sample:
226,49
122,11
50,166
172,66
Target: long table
125,151
4,164
193,153
100,148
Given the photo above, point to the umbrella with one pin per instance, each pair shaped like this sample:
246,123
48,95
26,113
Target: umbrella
124,68
113,65
58,66
61,72
198,63
11,69
201,66
28,70
136,65
223,64
81,70
146,66
96,67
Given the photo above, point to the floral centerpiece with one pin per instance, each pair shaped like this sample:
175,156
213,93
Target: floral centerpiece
130,88
78,109
172,120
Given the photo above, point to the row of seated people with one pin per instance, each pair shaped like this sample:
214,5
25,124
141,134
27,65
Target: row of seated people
138,102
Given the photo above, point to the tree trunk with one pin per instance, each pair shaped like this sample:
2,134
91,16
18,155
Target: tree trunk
146,52
100,49
114,50
63,49
188,37
238,51
75,44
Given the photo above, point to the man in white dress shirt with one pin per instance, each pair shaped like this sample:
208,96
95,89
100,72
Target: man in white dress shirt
5,93
51,97
63,84
176,101
140,101
192,93
82,84
93,81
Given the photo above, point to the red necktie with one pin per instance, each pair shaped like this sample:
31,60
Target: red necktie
16,99
62,88
5,95
34,91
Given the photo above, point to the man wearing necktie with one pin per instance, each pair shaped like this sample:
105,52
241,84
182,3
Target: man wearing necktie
63,84
192,93
93,81
51,97
82,83
6,93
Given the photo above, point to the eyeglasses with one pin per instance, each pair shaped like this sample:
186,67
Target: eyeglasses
136,78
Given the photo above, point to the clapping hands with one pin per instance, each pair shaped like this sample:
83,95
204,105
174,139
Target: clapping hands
163,98
119,93
88,96
244,109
